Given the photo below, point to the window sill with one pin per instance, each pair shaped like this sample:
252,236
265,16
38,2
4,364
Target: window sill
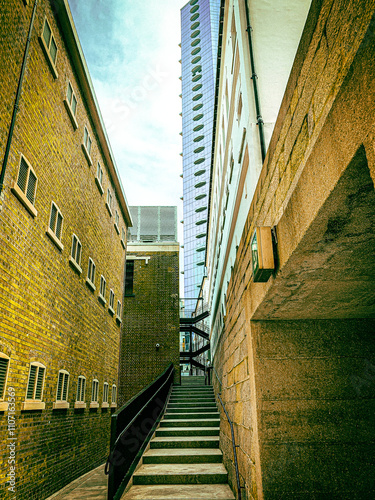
55,239
111,310
87,155
123,244
51,64
102,299
33,405
22,198
118,319
71,114
60,405
109,209
100,187
90,284
79,405
94,404
117,228
75,265
105,405
3,406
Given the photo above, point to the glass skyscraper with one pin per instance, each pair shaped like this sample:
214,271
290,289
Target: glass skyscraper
199,39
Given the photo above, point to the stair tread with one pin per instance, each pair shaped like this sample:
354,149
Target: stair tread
156,452
180,469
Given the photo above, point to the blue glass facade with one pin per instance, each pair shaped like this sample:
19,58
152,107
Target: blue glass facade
199,39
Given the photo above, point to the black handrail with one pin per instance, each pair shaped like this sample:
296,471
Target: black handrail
132,427
233,438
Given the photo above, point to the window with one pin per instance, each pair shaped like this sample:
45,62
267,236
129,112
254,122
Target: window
90,280
25,187
54,229
34,391
94,394
4,368
111,302
102,289
123,237
81,389
62,390
118,314
49,46
71,105
99,178
117,220
105,395
86,146
114,396
75,257
109,201
129,278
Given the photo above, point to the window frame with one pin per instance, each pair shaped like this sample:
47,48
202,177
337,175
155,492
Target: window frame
99,180
35,403
94,393
46,48
3,403
52,232
61,404
22,195
68,105
103,288
80,403
72,259
89,281
86,150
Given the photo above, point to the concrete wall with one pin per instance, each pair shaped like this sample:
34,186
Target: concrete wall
151,316
48,313
296,356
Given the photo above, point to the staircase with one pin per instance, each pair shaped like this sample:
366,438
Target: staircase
184,461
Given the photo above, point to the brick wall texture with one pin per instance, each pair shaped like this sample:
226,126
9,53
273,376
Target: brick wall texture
48,313
296,356
151,317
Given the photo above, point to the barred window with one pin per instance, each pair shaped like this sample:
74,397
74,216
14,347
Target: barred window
36,382
62,386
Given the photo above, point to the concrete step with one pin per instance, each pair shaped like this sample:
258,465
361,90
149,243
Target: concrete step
190,422
184,442
187,431
181,474
182,455
182,492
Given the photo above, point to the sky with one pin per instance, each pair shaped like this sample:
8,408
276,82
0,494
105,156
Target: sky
132,52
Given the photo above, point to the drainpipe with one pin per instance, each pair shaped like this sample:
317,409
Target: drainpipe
255,85
18,95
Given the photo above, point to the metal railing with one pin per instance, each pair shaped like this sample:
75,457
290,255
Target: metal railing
132,427
233,438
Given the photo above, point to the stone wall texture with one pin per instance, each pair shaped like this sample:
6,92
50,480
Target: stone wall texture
297,355
48,313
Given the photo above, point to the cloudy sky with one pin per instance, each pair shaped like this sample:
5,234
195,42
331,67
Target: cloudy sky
132,52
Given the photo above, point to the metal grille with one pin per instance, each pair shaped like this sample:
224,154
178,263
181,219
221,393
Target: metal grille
153,224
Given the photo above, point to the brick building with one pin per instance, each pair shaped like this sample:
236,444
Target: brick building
294,353
150,339
63,229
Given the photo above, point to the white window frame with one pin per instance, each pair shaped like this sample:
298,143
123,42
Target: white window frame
91,270
34,403
47,48
114,396
51,232
109,201
3,403
68,105
75,256
111,302
23,195
117,220
102,290
95,394
119,312
105,403
87,145
62,404
81,391
99,178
